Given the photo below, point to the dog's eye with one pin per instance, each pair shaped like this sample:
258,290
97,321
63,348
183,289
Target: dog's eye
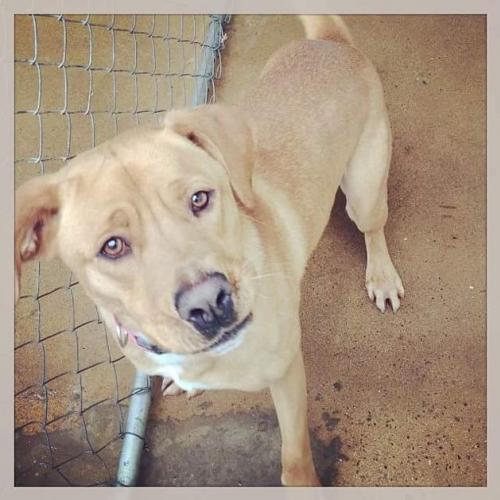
115,248
200,201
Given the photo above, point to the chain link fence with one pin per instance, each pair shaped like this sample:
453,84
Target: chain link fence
79,80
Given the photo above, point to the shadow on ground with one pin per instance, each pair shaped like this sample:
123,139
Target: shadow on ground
233,449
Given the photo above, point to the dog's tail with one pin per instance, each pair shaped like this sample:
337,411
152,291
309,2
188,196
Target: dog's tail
326,28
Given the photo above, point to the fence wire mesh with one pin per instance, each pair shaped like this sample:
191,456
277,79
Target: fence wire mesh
79,80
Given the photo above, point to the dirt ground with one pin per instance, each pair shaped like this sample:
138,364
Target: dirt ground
395,399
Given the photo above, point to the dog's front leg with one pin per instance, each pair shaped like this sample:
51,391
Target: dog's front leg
290,400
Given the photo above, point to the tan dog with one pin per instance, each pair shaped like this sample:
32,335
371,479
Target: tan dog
192,238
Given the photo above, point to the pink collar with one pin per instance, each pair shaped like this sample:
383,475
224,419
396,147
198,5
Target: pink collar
136,338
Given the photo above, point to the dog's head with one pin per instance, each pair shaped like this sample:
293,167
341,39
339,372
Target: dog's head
153,223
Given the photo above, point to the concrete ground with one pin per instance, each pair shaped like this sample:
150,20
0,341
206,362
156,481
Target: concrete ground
394,399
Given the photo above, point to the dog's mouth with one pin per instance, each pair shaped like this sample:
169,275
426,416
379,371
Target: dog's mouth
225,342
229,335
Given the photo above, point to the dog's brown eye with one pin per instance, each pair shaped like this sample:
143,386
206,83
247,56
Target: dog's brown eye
200,201
115,248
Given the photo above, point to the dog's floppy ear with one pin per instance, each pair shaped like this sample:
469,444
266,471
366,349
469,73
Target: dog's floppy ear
225,134
37,206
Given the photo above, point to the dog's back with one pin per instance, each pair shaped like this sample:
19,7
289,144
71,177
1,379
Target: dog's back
309,107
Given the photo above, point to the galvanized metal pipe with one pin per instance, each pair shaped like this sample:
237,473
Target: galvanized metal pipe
208,58
133,441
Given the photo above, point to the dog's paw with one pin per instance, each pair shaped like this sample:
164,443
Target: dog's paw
383,285
300,477
170,388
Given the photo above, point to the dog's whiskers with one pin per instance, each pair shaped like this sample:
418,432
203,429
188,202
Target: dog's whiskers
266,276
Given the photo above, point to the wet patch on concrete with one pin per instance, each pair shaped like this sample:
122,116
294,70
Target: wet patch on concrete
330,421
71,451
233,449
34,467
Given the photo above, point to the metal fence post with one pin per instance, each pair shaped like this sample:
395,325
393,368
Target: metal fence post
133,442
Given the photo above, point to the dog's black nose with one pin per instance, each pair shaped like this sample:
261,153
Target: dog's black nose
207,305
